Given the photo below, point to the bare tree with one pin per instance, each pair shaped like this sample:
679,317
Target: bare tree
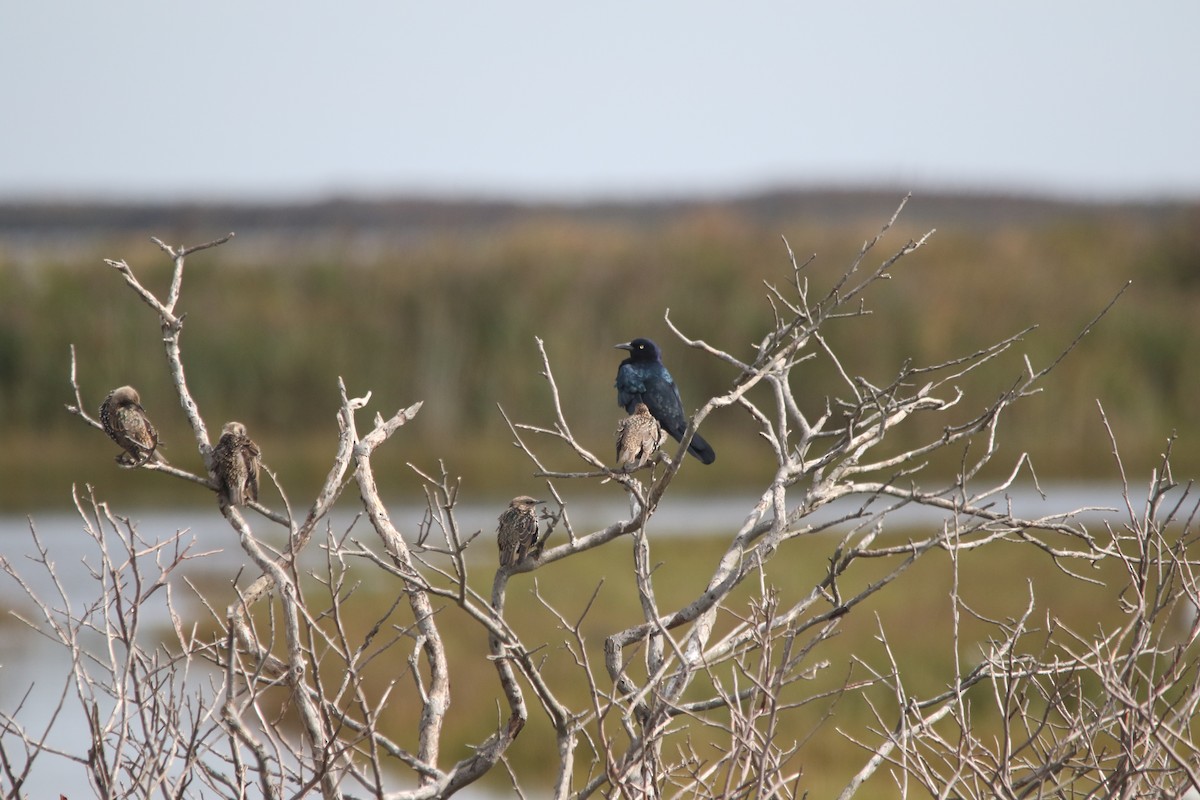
1104,713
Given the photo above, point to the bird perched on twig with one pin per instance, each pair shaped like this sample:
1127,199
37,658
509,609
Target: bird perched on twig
642,378
235,463
638,436
518,530
126,423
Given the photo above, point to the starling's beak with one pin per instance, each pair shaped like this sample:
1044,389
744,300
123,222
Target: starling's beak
626,346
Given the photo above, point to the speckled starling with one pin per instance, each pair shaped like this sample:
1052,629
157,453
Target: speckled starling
518,530
235,463
643,378
638,437
126,423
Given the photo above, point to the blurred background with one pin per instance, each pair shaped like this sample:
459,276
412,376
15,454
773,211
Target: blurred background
420,190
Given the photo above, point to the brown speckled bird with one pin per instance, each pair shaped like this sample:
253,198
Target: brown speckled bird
518,530
235,463
126,423
638,437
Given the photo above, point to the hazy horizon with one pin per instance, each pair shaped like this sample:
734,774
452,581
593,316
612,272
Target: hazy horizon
665,197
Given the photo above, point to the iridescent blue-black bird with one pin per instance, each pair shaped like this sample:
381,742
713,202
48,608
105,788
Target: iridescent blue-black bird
642,378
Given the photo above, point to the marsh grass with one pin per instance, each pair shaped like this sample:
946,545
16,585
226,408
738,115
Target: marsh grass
448,315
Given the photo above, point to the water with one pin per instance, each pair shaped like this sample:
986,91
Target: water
30,663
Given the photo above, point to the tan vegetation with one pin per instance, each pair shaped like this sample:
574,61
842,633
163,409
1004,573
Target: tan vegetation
989,654
441,303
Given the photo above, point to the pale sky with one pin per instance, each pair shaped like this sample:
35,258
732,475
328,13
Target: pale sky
298,100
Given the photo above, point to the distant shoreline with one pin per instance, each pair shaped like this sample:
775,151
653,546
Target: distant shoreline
48,216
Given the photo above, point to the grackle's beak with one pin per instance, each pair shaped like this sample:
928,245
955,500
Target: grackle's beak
625,346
